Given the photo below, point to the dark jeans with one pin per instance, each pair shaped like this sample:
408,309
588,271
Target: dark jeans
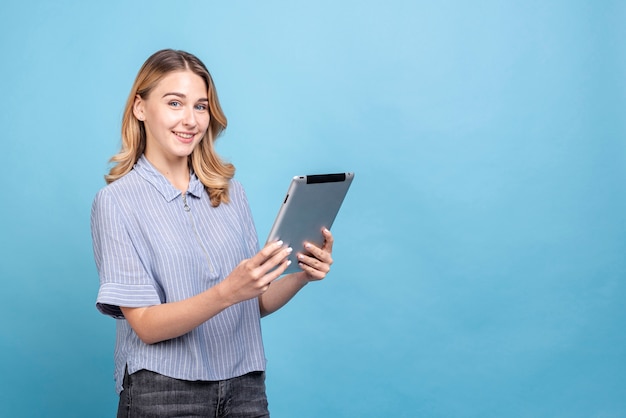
148,394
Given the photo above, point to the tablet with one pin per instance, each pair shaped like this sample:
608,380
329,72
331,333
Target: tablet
312,203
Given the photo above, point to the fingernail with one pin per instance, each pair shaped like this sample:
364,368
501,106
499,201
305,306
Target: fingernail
289,250
279,243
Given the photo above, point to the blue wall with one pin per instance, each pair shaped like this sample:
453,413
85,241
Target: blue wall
480,255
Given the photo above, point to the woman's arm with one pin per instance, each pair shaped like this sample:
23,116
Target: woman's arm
251,278
315,267
170,320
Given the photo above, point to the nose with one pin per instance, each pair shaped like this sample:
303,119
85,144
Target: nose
189,118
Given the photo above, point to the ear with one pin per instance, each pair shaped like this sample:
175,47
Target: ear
138,108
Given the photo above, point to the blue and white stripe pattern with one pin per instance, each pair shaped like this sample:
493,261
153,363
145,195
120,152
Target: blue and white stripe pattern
154,245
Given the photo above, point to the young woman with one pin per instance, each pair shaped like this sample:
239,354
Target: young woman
178,255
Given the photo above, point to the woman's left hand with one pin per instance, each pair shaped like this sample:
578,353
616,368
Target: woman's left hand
317,261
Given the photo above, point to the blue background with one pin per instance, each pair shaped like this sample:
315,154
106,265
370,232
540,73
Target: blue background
480,255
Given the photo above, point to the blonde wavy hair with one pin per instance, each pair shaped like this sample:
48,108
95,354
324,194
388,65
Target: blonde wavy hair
207,165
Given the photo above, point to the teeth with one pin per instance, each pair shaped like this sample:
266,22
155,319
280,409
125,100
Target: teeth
182,135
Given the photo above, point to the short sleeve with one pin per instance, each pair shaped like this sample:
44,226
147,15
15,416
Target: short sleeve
124,279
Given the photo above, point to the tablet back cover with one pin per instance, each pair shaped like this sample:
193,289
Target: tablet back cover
312,202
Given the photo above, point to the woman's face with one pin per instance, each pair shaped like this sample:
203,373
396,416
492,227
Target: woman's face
175,116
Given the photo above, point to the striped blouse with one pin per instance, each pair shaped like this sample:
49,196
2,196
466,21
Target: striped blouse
153,244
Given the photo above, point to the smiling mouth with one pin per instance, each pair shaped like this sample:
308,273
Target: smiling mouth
184,135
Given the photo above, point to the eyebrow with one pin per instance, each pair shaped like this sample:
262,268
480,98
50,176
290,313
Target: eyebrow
183,96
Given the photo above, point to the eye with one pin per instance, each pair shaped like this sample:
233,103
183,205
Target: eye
201,107
175,103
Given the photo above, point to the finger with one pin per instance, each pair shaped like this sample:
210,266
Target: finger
275,260
316,264
320,253
328,240
270,249
274,274
312,272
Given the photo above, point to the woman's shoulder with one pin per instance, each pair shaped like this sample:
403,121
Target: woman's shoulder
120,187
237,193
234,184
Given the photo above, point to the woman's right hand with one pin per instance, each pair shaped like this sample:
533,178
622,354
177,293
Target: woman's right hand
253,276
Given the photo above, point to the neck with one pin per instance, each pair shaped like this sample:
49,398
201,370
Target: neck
176,171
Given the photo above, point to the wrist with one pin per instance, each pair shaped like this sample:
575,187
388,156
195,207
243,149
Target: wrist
223,295
301,278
